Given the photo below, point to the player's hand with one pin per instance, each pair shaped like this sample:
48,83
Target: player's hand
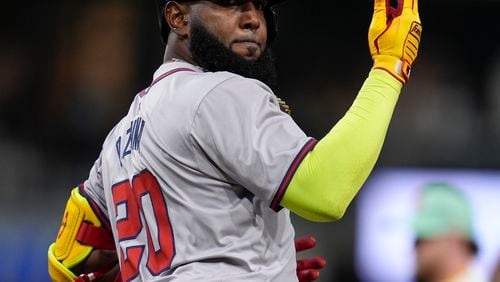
100,264
308,269
394,36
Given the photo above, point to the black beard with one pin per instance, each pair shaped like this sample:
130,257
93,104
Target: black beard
210,54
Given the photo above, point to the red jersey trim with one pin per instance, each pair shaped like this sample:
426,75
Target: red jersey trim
145,91
275,204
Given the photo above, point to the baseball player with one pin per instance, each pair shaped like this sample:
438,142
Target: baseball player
197,181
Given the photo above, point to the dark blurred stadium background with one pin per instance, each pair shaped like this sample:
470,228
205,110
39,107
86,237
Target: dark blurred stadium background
69,69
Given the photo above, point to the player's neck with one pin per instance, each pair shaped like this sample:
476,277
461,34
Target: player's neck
177,54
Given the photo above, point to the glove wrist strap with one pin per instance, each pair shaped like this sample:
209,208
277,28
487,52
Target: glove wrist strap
394,66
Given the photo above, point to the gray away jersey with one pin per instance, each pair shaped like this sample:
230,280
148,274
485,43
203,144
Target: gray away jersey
190,180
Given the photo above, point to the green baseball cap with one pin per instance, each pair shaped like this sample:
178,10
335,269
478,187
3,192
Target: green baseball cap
443,210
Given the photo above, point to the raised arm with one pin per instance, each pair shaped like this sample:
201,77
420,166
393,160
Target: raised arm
333,172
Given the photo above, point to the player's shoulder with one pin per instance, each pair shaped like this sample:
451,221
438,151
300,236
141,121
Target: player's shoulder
236,97
236,88
186,88
240,84
211,83
190,81
193,88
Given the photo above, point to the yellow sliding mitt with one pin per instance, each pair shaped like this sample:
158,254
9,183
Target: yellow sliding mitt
81,233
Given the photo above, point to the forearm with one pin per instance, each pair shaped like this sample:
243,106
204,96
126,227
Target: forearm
330,176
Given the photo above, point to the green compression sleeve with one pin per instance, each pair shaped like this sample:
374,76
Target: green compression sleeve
333,172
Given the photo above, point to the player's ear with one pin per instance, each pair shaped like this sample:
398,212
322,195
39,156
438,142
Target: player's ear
176,15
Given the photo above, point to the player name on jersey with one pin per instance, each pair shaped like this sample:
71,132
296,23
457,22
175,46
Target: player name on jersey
133,137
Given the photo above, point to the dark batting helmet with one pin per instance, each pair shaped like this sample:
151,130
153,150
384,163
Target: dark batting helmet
269,14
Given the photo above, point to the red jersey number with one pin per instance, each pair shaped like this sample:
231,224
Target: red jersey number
144,198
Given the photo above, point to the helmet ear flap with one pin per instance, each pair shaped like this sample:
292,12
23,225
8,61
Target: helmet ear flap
272,24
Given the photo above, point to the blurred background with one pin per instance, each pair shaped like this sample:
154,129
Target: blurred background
69,69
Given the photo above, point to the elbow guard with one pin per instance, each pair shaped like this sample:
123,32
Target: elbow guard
81,231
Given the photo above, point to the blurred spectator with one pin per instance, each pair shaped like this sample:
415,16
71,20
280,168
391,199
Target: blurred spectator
445,245
496,274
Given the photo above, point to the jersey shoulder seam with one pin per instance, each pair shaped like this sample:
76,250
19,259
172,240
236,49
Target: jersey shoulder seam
230,76
197,107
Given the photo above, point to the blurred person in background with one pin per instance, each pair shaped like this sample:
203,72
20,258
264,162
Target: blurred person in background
445,245
496,275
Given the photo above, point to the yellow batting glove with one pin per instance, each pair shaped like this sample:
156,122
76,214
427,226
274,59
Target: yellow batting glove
394,36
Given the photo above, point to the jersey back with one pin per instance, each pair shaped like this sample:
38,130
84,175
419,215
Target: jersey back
190,180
